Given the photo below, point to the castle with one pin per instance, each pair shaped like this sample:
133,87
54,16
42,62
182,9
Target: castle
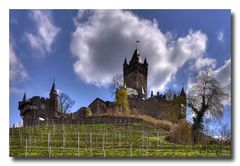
39,110
135,81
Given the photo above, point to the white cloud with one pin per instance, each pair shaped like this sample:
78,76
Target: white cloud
81,15
220,36
101,43
201,63
46,32
18,72
223,75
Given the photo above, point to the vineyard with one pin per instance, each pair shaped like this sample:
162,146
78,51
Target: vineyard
104,140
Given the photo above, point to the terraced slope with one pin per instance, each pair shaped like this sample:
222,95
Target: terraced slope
103,140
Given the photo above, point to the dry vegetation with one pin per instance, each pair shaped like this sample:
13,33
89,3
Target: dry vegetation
181,133
164,124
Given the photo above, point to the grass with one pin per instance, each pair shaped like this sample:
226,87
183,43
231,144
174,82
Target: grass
104,140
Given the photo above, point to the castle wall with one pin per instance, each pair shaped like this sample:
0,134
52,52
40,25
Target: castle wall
163,109
96,120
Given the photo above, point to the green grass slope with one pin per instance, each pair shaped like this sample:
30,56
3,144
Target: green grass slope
104,140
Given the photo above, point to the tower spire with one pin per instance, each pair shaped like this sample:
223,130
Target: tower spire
53,89
145,60
24,97
182,91
125,61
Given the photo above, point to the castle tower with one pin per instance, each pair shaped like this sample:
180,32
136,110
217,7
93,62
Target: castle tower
183,97
53,105
183,102
135,74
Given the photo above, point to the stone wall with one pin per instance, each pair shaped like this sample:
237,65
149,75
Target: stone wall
93,120
167,110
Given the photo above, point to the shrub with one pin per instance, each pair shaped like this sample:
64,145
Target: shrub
122,100
181,133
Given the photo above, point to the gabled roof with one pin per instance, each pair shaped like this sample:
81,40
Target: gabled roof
97,99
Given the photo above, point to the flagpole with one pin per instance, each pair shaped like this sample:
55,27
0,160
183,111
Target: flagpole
137,41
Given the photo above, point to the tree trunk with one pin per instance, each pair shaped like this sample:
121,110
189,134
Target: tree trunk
197,126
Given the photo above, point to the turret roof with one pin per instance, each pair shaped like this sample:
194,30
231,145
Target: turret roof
136,58
53,89
182,92
24,97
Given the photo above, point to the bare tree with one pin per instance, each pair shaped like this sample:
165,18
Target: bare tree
65,103
117,83
206,96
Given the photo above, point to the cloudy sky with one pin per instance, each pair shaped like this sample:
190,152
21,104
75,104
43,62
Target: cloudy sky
84,49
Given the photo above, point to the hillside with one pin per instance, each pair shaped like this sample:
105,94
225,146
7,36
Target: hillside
103,140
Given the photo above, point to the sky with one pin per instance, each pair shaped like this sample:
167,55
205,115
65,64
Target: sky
83,49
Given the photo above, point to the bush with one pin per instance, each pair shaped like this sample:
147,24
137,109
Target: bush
181,133
122,100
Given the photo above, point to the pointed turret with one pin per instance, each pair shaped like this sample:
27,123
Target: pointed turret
125,62
136,57
24,97
23,102
182,93
145,61
53,89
